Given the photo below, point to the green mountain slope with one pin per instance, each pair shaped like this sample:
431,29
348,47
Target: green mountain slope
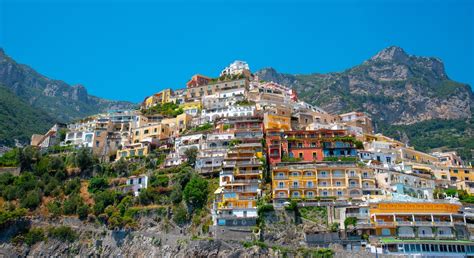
62,102
59,99
18,120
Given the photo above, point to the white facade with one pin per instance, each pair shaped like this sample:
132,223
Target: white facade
209,115
136,183
237,67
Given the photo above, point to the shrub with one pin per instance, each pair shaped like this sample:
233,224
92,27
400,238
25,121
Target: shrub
72,186
54,208
62,233
180,215
83,211
31,200
33,236
97,184
176,195
159,180
71,204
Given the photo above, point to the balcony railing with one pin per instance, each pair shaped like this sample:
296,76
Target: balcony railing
384,223
407,235
426,235
445,236
280,177
423,223
443,223
404,223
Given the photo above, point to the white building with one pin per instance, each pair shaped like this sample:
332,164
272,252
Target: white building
136,183
209,115
237,67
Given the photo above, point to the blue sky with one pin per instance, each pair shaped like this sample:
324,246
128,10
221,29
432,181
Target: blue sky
129,49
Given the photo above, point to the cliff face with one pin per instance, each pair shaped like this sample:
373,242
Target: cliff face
392,86
60,100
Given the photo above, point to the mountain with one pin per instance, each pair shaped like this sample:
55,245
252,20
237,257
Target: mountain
19,120
392,86
58,100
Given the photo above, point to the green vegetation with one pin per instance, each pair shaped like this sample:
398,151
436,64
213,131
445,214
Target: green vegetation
341,159
169,109
19,120
350,221
455,135
244,103
31,237
62,233
195,193
10,158
286,158
191,154
8,216
202,128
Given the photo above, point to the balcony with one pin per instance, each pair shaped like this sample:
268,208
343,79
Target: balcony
406,235
445,236
323,176
338,176
357,215
354,186
385,224
404,223
423,223
426,235
443,223
280,177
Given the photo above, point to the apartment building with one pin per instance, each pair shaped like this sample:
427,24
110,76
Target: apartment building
197,92
409,184
239,186
319,181
161,97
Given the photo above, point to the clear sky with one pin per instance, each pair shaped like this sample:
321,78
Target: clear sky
129,49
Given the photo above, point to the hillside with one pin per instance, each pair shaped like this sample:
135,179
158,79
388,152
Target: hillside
392,86
18,120
410,98
59,100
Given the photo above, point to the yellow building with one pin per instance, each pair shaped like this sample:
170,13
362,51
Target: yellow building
412,155
419,219
276,122
150,132
178,124
312,181
192,108
461,174
134,150
161,97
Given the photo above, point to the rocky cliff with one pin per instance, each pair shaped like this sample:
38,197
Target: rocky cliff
393,86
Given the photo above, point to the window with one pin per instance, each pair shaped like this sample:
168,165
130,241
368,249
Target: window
281,194
146,131
300,155
310,194
315,155
97,143
339,193
338,183
296,194
325,193
309,184
281,184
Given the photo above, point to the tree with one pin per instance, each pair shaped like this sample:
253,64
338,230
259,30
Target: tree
159,180
84,159
176,195
350,221
97,184
72,186
83,211
180,215
195,193
191,154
